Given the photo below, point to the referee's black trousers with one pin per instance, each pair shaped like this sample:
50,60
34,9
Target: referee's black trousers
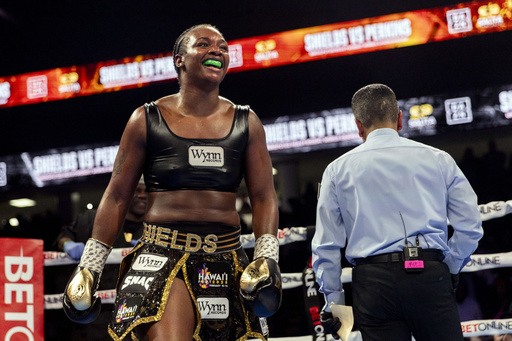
391,304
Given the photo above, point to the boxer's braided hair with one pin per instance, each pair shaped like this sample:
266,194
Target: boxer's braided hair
181,43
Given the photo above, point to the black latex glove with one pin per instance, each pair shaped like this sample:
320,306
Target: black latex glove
331,324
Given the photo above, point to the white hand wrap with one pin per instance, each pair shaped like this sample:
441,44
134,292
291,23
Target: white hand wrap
95,255
267,246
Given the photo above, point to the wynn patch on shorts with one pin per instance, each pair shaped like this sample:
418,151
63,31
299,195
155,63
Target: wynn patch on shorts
213,308
149,262
206,156
212,274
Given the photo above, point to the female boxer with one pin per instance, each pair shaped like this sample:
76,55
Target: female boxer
185,279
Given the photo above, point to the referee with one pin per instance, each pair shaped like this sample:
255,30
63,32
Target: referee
388,202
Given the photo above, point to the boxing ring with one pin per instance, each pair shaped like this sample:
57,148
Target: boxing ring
479,262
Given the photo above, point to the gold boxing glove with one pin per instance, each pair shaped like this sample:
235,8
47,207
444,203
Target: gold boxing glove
260,283
80,303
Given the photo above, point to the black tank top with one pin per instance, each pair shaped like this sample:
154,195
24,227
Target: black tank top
177,163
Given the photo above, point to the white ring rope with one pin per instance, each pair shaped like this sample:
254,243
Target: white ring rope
495,209
492,210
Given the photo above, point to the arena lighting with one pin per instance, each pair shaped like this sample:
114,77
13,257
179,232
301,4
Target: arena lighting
316,43
14,222
22,202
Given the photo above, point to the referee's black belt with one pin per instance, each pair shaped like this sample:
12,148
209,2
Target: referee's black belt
394,257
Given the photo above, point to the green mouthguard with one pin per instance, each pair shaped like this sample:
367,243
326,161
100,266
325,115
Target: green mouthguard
211,62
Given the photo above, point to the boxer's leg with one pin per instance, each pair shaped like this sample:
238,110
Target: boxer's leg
179,320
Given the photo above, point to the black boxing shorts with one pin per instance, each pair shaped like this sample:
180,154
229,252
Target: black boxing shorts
210,260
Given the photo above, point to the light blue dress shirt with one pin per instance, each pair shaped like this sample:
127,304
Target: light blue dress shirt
363,193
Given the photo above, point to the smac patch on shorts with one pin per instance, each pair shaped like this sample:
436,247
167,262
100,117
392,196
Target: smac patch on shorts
137,283
213,274
206,156
127,309
213,308
149,262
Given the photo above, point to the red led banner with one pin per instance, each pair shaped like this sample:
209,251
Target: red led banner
376,34
296,46
63,83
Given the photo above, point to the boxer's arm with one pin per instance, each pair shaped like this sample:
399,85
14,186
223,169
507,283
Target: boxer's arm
80,303
260,181
260,284
125,176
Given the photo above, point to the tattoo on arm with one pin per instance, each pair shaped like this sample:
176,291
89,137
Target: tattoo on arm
119,162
